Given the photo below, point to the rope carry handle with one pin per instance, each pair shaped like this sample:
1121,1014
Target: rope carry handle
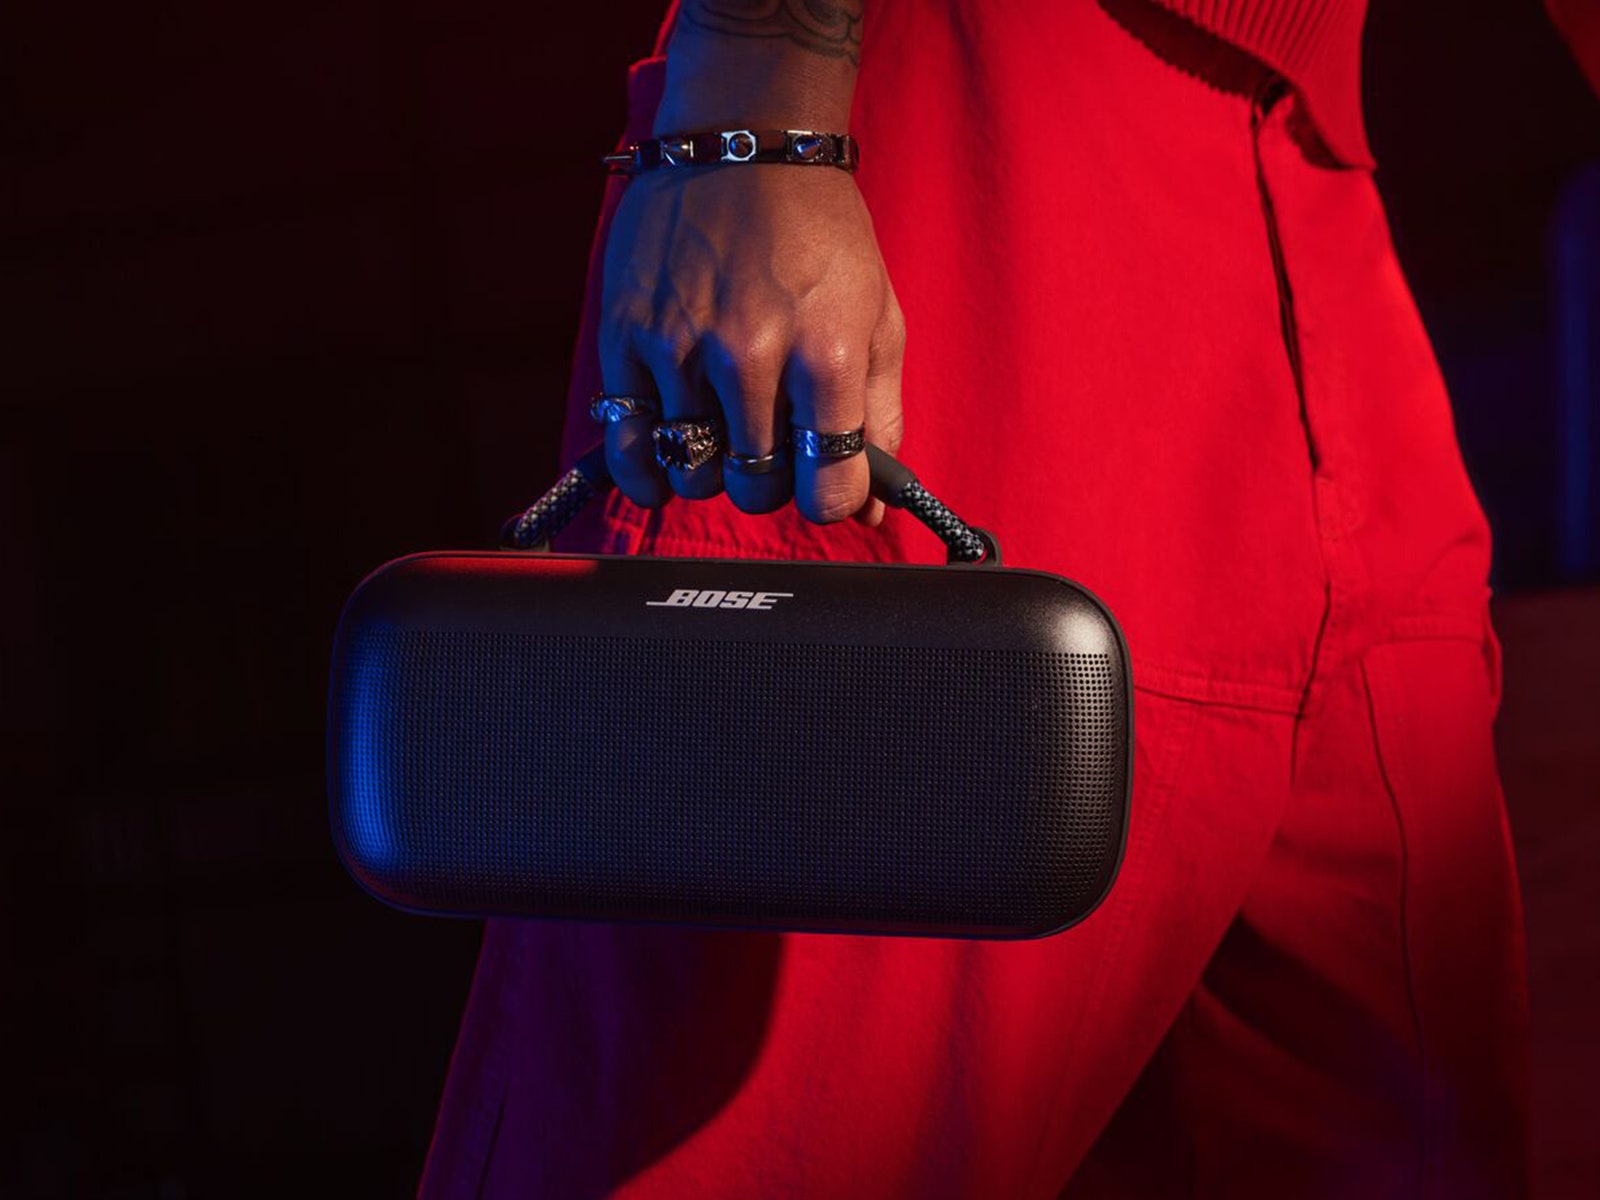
892,482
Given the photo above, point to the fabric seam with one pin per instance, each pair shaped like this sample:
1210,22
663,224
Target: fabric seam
1379,701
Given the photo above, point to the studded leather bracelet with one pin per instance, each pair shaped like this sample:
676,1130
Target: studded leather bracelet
799,147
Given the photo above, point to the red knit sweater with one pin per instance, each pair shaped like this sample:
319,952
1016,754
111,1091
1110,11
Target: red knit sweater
1315,44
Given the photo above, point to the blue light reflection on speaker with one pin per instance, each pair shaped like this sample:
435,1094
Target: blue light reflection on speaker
367,723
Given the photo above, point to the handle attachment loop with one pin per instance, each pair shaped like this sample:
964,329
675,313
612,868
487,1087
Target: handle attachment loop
892,482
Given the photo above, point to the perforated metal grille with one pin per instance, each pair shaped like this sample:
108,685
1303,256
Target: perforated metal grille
964,789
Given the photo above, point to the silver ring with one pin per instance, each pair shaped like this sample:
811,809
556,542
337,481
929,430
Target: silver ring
607,408
814,443
687,444
756,464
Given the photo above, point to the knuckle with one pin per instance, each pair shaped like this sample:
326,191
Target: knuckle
673,340
833,357
757,351
894,322
679,341
622,317
757,501
630,448
669,338
701,484
829,503
828,512
635,478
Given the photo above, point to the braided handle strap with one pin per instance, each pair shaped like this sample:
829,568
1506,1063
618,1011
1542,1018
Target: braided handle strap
533,528
892,483
896,486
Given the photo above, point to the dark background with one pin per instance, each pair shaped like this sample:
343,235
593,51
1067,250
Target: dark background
290,289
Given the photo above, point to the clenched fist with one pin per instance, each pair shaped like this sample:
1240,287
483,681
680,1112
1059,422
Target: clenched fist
754,293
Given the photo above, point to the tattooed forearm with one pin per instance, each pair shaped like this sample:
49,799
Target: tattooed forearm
831,29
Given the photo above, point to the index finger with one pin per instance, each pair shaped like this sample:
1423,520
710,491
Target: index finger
630,449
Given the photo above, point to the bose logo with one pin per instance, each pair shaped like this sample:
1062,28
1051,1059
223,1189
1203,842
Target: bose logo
694,598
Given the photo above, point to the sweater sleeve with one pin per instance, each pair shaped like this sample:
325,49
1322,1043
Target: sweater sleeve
1579,23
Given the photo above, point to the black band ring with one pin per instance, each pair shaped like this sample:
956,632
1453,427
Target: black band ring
815,443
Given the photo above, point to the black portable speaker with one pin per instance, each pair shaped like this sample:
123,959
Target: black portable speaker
794,746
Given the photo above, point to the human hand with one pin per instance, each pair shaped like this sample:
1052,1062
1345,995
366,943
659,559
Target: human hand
756,293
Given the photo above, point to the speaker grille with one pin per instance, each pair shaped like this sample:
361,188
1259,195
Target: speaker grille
972,790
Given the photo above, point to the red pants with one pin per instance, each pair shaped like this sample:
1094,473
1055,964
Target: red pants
1158,343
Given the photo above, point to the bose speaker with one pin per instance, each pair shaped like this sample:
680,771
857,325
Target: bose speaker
798,746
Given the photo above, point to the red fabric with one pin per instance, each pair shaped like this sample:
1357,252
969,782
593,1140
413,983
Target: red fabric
1315,43
1579,23
1160,346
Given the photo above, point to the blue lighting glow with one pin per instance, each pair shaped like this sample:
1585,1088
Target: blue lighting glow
1575,270
366,755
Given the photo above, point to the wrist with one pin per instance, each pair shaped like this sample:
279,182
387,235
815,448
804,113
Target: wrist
726,83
